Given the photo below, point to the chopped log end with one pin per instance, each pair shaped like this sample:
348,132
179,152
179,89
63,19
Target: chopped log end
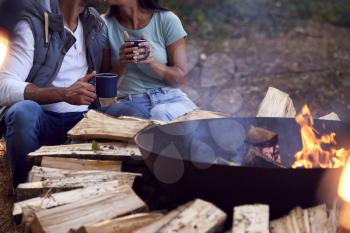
251,219
312,220
197,216
276,104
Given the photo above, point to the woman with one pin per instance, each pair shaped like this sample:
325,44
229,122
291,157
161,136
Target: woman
151,72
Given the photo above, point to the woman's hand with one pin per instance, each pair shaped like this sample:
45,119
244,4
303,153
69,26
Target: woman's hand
127,53
145,53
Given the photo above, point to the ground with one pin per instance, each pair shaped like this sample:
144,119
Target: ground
311,63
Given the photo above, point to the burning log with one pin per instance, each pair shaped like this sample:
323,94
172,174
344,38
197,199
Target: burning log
197,216
97,125
30,190
63,198
264,141
251,219
80,164
88,211
122,225
276,104
255,158
105,151
313,220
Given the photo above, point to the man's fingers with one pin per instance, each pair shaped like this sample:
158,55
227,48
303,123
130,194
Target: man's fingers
88,77
89,94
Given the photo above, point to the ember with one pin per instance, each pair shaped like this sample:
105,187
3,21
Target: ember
318,150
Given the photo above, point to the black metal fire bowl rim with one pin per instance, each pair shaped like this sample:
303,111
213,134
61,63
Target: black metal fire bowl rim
243,167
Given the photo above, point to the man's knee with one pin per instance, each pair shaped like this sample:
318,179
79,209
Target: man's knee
23,113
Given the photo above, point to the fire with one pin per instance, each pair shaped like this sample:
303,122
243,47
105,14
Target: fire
4,43
317,151
344,185
344,193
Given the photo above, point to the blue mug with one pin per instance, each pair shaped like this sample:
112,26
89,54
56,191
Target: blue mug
137,44
106,85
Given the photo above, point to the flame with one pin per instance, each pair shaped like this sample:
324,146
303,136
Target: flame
344,193
344,185
317,151
4,44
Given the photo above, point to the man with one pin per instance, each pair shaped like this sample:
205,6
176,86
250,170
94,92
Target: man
44,83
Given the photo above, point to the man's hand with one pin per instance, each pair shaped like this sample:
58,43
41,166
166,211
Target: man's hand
81,92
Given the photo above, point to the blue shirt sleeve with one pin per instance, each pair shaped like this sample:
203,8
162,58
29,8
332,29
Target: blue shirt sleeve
172,28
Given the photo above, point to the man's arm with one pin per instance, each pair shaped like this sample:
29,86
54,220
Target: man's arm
80,93
19,62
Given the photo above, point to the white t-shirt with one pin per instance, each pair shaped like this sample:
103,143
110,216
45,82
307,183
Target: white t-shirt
19,62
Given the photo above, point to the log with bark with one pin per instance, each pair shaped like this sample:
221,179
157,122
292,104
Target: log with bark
62,198
35,189
88,211
80,164
126,224
104,151
96,125
196,217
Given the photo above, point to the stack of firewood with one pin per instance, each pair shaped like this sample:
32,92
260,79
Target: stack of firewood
83,188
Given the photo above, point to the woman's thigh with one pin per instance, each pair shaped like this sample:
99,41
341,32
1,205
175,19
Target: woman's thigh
172,104
172,110
127,108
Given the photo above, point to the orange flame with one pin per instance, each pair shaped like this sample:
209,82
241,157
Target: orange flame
344,193
313,153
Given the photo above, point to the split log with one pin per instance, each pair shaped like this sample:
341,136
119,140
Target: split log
199,115
155,226
313,220
331,117
319,221
251,219
122,225
88,211
276,104
80,164
35,189
44,173
196,217
58,199
106,151
97,125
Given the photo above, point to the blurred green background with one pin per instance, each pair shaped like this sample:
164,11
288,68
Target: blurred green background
214,18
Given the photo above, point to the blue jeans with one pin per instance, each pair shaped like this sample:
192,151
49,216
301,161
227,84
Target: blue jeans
163,104
28,127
